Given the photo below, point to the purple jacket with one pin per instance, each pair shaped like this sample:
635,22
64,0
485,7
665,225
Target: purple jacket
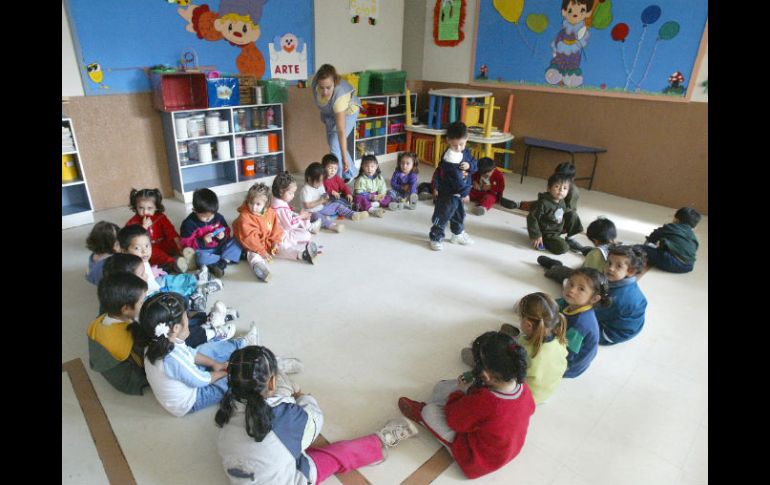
399,178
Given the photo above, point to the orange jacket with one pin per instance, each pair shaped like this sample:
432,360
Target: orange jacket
257,233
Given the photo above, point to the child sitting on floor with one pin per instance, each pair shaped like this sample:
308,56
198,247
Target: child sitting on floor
602,233
102,241
403,183
333,183
315,199
488,186
370,191
483,417
547,219
672,246
147,205
624,318
297,228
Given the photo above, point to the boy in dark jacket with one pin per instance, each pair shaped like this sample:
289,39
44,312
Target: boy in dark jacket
672,246
453,183
546,219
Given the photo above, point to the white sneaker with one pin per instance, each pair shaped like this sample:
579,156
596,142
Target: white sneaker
395,431
252,336
357,216
436,245
336,227
315,227
203,274
224,332
218,314
181,265
290,365
211,286
395,206
461,238
260,269
377,212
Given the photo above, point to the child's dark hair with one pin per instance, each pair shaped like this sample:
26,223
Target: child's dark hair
558,178
411,155
121,263
159,309
486,165
128,233
102,237
153,194
637,257
330,159
314,172
602,230
688,215
543,312
566,168
369,159
120,289
248,373
205,200
257,190
599,283
281,182
456,130
500,354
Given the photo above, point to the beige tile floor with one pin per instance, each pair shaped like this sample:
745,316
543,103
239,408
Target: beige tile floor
381,315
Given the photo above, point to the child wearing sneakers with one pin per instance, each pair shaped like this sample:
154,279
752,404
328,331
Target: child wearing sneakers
315,199
623,319
206,238
297,228
147,205
133,239
183,379
268,424
259,233
333,183
602,233
483,417
111,347
453,184
102,241
403,183
568,170
370,191
672,246
547,219
488,186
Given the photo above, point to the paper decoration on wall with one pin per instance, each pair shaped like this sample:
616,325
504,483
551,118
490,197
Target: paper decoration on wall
96,75
237,22
363,8
288,57
448,21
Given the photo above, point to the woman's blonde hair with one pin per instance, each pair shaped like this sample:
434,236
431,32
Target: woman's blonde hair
543,312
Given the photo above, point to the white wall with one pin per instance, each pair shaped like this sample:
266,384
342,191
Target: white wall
700,94
355,47
71,84
414,39
448,64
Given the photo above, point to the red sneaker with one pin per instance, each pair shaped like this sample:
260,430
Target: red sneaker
411,409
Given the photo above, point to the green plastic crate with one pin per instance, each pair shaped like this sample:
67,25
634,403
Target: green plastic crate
384,82
363,83
276,90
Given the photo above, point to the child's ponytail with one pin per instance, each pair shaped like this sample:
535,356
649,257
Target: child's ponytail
500,354
249,372
543,312
158,316
153,194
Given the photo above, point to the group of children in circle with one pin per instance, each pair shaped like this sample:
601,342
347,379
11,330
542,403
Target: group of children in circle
153,329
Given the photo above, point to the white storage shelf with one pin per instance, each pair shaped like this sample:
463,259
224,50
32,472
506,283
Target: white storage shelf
378,143
224,176
76,205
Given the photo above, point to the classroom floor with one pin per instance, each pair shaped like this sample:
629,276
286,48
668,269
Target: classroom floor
380,316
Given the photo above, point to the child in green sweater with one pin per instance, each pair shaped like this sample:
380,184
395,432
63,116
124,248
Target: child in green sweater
548,217
672,247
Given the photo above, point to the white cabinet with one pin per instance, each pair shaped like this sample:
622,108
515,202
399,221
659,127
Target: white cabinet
226,155
380,131
76,206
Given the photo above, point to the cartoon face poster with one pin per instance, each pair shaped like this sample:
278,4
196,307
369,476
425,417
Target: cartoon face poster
264,38
633,47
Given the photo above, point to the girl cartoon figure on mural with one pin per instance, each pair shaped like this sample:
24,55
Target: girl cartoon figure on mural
569,43
236,22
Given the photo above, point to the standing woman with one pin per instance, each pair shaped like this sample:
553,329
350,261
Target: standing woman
339,110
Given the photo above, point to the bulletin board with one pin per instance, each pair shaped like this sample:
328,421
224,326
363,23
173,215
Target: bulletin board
116,41
646,49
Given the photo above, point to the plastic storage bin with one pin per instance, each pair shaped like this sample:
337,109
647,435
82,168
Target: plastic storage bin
352,79
390,81
223,91
179,91
363,83
69,170
276,90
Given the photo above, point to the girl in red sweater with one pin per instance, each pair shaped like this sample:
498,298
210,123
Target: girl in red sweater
147,204
482,418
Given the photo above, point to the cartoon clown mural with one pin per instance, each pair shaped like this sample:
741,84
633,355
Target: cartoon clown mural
288,57
236,22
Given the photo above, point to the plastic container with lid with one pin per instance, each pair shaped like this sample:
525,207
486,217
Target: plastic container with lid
196,126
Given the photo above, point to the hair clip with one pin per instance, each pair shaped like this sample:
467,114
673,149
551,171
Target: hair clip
513,346
161,329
